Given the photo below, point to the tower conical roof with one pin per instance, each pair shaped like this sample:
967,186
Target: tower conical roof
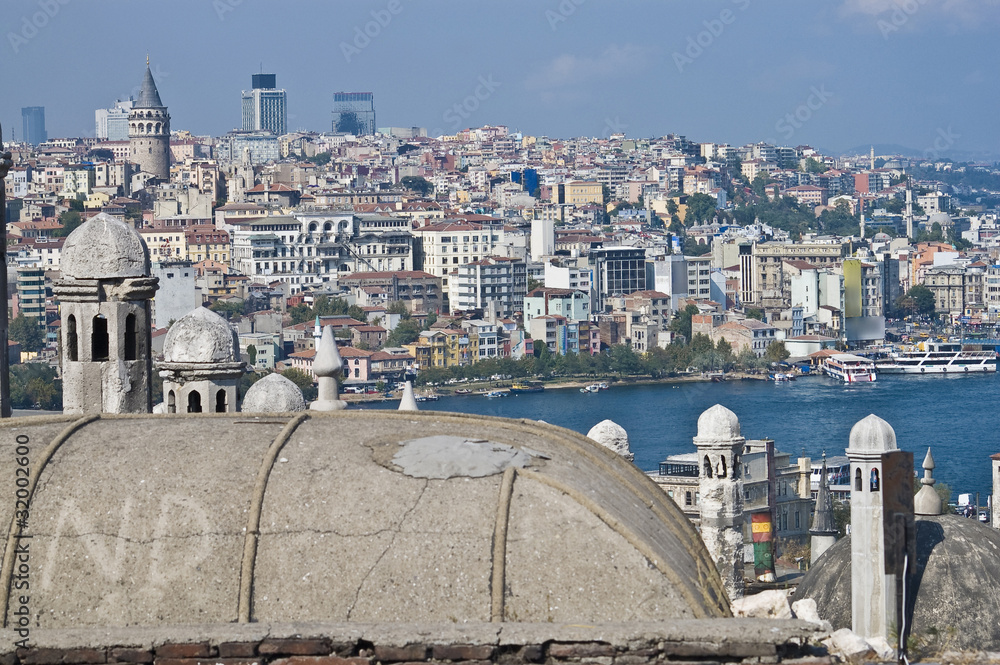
823,520
149,97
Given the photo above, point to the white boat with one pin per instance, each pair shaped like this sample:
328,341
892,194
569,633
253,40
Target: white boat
592,388
497,393
849,368
936,358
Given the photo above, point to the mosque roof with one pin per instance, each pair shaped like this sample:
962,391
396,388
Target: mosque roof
363,516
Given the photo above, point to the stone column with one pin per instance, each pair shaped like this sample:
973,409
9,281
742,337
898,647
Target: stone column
720,485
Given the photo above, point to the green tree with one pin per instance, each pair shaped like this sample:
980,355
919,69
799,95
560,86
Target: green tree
26,331
35,383
417,184
754,313
320,158
356,313
671,207
406,331
681,324
69,219
814,166
230,308
303,381
399,307
725,349
252,355
776,352
919,300
700,209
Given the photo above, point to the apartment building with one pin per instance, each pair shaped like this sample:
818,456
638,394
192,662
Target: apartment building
496,284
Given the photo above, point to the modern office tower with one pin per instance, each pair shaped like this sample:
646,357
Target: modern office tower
112,124
264,106
149,130
354,113
33,125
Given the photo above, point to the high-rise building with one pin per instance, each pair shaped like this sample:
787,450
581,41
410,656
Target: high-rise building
112,124
354,113
264,106
149,130
33,125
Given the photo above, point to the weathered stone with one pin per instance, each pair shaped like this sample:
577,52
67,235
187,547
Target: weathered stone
847,644
612,436
195,650
805,609
200,336
320,660
207,661
125,655
300,647
40,656
580,650
85,656
770,604
273,394
392,654
237,649
461,652
104,248
532,653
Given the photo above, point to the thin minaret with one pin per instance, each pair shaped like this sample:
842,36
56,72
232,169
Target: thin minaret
824,527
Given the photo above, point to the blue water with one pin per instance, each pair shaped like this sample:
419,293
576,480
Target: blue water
954,415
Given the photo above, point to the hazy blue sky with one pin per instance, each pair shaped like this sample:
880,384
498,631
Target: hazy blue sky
834,74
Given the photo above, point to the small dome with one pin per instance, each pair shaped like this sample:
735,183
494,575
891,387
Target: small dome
872,435
942,218
612,436
957,583
273,394
718,423
104,248
200,336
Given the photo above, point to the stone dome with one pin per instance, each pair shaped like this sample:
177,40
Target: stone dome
273,394
359,517
612,436
718,423
104,248
201,336
871,435
942,218
957,583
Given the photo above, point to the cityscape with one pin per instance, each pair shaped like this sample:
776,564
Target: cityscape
372,356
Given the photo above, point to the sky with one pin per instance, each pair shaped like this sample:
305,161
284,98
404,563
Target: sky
837,74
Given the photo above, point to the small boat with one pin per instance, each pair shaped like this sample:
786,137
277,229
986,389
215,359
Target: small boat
592,388
527,387
602,385
497,393
429,397
463,391
780,377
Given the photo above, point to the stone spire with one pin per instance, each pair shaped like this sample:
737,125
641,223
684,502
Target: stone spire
824,527
408,402
327,366
720,488
149,96
927,501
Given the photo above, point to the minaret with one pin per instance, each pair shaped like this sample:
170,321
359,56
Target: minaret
317,333
882,529
908,216
104,297
873,158
149,130
720,491
927,501
824,528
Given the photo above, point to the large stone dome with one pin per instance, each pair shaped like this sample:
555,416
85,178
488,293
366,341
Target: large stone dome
957,587
273,393
201,336
353,516
104,248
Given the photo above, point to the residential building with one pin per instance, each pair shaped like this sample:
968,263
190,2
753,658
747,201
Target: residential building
176,295
484,339
493,284
264,106
31,293
259,147
699,281
616,271
560,334
768,284
669,274
567,277
577,193
746,334
573,304
445,246
420,291
206,243
368,337
442,347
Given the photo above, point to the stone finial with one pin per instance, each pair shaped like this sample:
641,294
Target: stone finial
327,366
613,436
273,394
718,424
927,501
872,435
408,401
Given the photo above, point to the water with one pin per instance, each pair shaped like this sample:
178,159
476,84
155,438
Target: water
954,415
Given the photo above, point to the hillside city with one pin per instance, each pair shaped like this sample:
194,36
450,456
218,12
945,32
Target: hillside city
492,247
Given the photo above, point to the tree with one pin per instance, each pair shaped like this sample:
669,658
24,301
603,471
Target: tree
725,349
252,355
417,184
26,331
69,219
681,324
229,308
534,284
34,384
776,352
754,313
399,307
320,158
406,331
814,166
919,300
303,381
671,207
700,208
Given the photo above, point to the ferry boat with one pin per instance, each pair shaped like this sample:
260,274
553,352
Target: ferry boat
497,393
849,368
527,387
936,358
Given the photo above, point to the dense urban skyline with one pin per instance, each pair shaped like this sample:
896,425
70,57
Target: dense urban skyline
839,75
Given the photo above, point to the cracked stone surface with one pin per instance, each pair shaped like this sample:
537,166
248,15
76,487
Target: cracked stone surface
141,521
104,248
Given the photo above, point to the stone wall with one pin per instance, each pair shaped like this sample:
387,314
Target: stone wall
717,640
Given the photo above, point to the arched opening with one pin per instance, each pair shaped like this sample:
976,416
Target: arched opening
708,467
99,342
131,338
194,402
149,128
857,480
72,345
873,481
312,227
220,401
171,402
327,227
722,467
157,128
